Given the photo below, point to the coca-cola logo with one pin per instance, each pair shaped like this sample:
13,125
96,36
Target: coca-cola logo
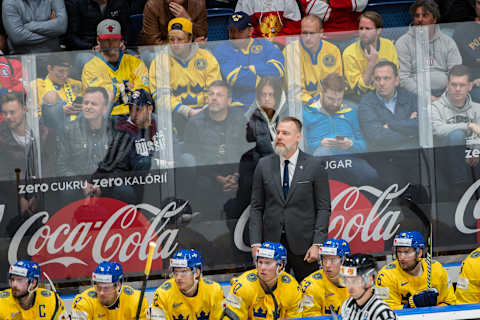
86,232
467,197
355,219
364,225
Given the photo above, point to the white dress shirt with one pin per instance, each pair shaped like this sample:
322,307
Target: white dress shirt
291,167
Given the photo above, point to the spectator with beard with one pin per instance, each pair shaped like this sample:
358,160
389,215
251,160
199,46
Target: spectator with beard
360,57
443,51
118,72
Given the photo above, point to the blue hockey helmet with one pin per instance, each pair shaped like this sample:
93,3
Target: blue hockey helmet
187,258
273,250
335,247
27,269
108,272
411,239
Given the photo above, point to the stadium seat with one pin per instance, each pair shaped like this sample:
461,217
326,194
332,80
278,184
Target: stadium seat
395,15
217,23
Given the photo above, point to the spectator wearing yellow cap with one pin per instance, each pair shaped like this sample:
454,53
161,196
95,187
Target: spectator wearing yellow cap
111,68
192,70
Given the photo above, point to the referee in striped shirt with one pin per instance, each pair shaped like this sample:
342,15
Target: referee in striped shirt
358,273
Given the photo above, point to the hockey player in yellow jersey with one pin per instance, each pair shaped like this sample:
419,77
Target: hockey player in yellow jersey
322,288
109,298
403,283
267,292
114,70
25,300
192,70
188,295
468,283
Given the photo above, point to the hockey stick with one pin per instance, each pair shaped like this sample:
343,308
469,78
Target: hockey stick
148,266
428,227
334,314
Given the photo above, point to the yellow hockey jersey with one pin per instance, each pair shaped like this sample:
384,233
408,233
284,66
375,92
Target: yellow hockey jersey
87,307
355,63
319,294
468,284
68,92
395,286
100,73
314,67
189,80
248,300
170,303
47,305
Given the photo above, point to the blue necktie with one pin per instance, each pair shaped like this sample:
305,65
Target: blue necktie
285,179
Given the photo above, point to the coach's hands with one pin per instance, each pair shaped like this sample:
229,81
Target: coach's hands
313,254
426,298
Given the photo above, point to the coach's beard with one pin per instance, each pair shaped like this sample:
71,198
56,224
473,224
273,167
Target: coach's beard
281,149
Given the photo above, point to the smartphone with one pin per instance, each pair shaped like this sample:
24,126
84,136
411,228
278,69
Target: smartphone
340,137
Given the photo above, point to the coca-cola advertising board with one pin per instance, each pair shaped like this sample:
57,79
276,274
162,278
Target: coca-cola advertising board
68,234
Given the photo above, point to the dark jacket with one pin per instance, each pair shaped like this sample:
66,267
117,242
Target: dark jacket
85,15
25,158
128,149
402,132
205,140
80,149
156,16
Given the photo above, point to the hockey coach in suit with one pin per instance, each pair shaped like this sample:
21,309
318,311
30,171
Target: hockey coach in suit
290,201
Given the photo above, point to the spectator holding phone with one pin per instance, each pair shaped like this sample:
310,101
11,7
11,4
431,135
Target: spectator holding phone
57,91
332,130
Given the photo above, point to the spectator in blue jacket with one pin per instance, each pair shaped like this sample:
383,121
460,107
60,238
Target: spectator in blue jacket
244,60
332,130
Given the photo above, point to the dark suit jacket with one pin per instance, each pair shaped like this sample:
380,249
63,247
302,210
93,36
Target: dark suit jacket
306,211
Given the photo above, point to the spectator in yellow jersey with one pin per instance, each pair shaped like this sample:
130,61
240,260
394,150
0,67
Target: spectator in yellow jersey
109,298
403,283
25,300
322,289
468,283
188,295
267,292
360,57
192,70
118,72
316,58
58,92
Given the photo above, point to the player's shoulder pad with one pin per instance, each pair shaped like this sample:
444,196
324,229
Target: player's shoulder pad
390,266
91,293
288,279
251,276
317,275
475,254
4,294
207,281
128,290
167,285
45,292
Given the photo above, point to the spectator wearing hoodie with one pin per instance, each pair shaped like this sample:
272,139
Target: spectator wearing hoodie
456,122
444,53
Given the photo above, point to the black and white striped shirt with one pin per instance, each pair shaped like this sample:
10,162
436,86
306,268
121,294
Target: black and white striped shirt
373,309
